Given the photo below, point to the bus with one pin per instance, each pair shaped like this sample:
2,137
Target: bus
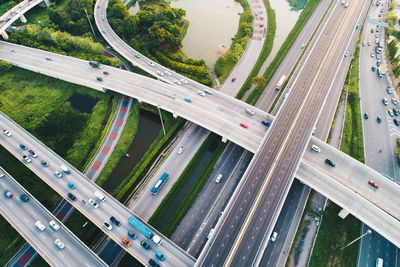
208,91
159,183
281,82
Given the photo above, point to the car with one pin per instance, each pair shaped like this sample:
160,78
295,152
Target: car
377,35
44,163
357,26
330,162
315,148
380,15
346,54
396,112
103,31
385,101
39,225
98,6
160,73
99,79
184,81
93,203
71,185
137,55
261,25
389,90
145,245
107,226
6,133
153,263
378,119
32,153
54,225
210,233
373,68
376,41
180,150
218,179
58,174
26,159
378,56
24,198
188,100
167,73
390,112
233,79
377,29
72,196
396,122
150,63
131,235
372,54
8,194
394,101
366,116
274,236
201,93
208,91
369,43
115,221
244,125
378,63
22,146
103,17
160,256
12,50
126,242
177,82
49,59
59,244
1,174
364,43
249,111
105,72
302,46
374,184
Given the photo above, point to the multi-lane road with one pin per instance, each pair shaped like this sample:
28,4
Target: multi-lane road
23,216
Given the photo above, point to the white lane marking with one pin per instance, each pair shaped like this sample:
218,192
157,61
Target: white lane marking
26,219
33,213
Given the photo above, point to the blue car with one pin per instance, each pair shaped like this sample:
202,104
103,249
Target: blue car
188,100
23,147
44,163
71,185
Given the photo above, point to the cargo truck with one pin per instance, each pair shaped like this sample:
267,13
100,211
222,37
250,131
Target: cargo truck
143,229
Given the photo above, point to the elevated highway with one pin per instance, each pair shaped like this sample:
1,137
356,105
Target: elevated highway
23,216
218,112
85,190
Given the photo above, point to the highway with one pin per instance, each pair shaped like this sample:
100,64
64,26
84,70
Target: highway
85,190
218,112
267,180
23,216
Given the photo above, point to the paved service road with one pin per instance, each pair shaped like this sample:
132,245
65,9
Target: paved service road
239,238
85,190
218,112
23,216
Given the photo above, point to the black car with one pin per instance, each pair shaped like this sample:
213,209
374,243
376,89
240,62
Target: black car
115,221
99,79
373,68
396,122
131,235
153,263
24,198
71,196
22,146
396,112
145,245
330,162
105,72
366,116
379,120
44,163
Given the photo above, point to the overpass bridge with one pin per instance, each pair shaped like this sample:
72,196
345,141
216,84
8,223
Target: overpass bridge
23,216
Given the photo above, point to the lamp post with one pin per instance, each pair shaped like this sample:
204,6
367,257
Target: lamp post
91,27
367,233
162,123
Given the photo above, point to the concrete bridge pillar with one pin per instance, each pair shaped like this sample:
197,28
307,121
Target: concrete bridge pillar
47,3
175,115
23,19
5,35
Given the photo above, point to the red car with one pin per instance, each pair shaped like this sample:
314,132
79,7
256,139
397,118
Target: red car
261,25
126,242
233,79
244,125
373,184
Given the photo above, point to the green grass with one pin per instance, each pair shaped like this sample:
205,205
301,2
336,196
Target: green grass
266,50
270,71
3,8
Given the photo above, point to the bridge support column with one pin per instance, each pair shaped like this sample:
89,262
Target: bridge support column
4,35
343,213
224,139
47,3
175,115
23,19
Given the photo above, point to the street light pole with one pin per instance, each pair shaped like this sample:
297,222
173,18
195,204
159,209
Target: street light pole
90,23
367,233
162,123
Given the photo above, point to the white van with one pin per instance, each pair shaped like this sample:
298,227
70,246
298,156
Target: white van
65,169
274,236
99,195
379,262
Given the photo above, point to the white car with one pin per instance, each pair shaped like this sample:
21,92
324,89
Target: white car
107,226
167,73
218,179
151,64
177,82
58,174
6,133
93,203
160,73
201,93
316,148
59,244
184,81
249,111
394,101
180,150
54,225
40,226
274,236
